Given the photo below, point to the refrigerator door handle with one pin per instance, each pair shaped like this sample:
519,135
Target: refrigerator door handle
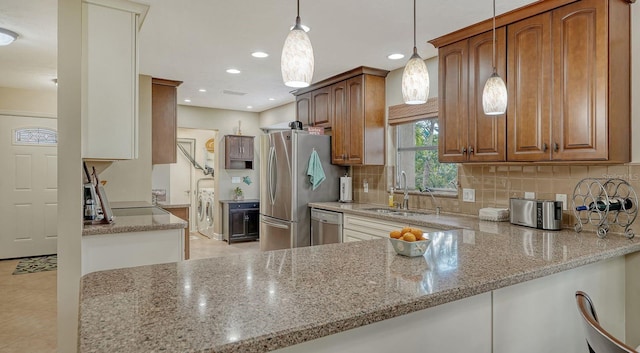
272,174
273,224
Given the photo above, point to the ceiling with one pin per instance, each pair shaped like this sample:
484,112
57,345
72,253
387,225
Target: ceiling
196,41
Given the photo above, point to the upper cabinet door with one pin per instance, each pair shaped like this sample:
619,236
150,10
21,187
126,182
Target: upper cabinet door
303,108
580,68
110,106
486,133
354,136
321,107
453,102
529,89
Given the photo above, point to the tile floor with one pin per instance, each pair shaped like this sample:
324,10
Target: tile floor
28,302
202,247
28,310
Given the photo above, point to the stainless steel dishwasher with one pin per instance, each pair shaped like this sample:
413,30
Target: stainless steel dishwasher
326,227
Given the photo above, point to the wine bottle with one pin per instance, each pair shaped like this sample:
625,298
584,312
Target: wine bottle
613,204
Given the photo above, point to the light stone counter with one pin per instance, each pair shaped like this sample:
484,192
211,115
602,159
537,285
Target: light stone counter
270,300
136,219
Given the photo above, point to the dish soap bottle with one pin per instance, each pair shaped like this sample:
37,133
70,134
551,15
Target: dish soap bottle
391,197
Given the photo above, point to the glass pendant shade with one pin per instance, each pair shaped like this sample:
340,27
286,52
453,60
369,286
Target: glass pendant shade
494,96
297,58
415,81
7,37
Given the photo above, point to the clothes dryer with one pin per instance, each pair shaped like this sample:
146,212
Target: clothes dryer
209,212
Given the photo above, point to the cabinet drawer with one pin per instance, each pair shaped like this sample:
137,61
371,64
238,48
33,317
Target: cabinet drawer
352,235
375,227
244,205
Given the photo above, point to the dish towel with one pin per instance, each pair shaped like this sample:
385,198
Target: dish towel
315,171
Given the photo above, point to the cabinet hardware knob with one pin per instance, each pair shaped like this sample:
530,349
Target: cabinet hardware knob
555,147
464,150
544,147
470,149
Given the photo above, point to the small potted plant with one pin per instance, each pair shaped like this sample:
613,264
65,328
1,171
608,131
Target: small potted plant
237,192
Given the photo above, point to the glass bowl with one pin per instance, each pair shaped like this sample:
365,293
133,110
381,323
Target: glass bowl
410,248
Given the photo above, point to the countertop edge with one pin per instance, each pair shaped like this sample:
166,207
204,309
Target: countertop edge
292,337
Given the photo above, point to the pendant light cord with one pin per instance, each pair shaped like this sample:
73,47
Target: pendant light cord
414,26
298,14
494,35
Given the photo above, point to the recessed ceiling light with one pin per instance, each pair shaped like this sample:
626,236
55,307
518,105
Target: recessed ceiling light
259,54
7,37
202,90
395,56
187,100
272,99
304,28
249,107
233,71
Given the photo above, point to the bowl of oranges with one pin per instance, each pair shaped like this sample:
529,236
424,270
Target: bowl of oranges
409,241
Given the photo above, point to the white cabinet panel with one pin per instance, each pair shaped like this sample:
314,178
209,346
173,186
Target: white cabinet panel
460,326
110,82
541,315
110,251
374,227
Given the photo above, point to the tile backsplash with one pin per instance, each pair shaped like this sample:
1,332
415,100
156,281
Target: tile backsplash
495,184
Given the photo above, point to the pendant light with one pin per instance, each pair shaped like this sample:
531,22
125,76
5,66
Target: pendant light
415,77
7,37
494,94
296,62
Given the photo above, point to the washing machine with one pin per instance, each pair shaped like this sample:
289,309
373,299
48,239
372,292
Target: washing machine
204,192
208,212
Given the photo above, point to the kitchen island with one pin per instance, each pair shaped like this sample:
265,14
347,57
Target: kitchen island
139,235
473,289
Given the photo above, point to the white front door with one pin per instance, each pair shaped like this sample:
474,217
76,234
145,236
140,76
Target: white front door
28,186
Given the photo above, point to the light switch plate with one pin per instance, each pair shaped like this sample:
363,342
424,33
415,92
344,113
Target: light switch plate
236,180
469,195
563,198
530,195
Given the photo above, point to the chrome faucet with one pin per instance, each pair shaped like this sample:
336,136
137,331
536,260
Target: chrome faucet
435,205
405,200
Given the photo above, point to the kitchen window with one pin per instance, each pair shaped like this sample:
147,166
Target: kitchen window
417,155
416,149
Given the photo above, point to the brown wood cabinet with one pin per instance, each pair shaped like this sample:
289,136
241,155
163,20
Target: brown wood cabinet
303,108
466,133
567,79
351,104
163,120
238,152
183,213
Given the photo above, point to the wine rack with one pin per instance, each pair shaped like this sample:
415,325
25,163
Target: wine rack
604,203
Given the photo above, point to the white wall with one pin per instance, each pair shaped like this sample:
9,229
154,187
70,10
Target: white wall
69,171
26,102
226,122
282,114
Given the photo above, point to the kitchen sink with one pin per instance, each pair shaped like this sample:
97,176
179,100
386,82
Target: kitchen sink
396,212
407,214
381,210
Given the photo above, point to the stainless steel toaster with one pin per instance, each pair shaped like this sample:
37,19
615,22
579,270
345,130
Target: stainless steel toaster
539,214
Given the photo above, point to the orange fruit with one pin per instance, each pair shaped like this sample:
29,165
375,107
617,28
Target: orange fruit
406,230
395,234
417,232
409,237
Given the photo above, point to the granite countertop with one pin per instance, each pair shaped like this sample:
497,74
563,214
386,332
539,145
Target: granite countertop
137,218
269,300
428,218
167,206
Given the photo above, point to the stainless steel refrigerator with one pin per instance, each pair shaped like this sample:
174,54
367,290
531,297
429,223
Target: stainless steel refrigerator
285,190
